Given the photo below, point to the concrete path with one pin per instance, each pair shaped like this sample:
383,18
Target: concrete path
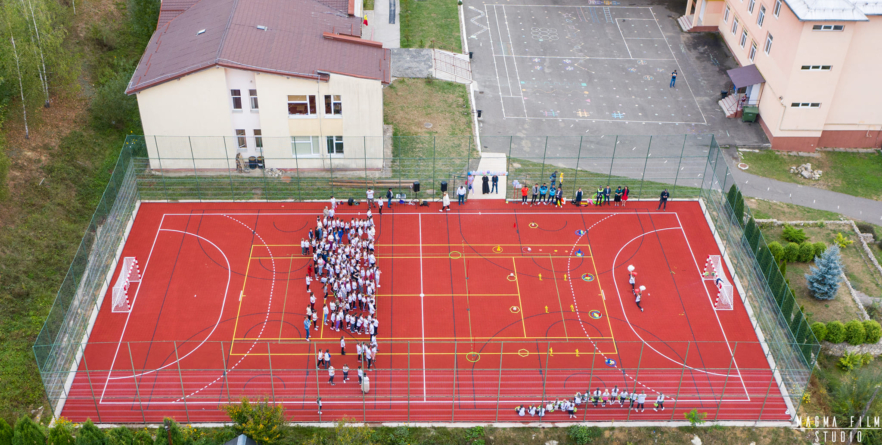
758,187
383,24
412,62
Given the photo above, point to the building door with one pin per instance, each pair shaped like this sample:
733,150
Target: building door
701,13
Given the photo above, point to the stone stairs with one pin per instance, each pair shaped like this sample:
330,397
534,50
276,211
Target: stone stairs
685,22
729,105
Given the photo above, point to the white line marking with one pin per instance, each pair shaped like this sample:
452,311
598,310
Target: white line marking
493,53
517,75
679,69
422,298
624,40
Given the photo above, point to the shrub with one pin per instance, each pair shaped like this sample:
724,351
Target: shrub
824,280
27,432
820,248
5,433
854,332
581,435
793,234
873,331
694,417
260,421
851,361
806,252
120,436
89,434
865,228
835,332
791,252
142,437
777,250
842,241
62,433
177,437
820,330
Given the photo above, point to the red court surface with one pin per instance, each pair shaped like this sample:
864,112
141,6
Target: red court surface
481,309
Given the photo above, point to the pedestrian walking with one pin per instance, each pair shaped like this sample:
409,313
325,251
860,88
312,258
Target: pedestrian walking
535,194
460,194
625,192
445,202
638,294
524,191
659,403
673,79
495,181
306,324
641,399
345,372
663,200
342,346
319,359
318,402
327,358
331,375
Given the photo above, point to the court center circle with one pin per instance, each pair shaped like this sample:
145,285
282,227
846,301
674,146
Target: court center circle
588,277
454,255
523,352
595,314
511,278
532,225
473,356
497,249
514,309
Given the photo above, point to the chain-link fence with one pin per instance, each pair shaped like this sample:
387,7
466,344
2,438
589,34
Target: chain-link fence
168,169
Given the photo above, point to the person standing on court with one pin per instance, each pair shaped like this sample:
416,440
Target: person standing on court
460,194
445,202
559,196
485,185
663,200
495,181
606,192
370,197
331,375
638,295
673,79
625,196
543,193
389,198
618,197
306,324
598,198
535,193
578,199
524,191
345,372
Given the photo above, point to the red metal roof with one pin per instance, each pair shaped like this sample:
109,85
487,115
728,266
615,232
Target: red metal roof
293,43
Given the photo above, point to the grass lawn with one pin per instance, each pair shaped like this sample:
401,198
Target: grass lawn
857,174
368,5
425,21
763,209
862,277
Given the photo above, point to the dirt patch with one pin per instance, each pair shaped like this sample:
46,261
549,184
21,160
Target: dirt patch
763,209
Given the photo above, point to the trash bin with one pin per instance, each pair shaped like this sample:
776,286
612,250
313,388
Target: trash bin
260,163
252,162
750,114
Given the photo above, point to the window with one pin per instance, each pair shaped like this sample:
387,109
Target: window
752,53
816,67
734,26
258,139
828,28
335,145
761,16
237,99
240,138
333,105
805,105
301,105
777,10
768,46
305,146
743,38
750,6
726,15
253,95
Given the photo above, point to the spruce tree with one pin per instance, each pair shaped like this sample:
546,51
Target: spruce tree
5,433
824,279
739,209
730,197
28,432
753,234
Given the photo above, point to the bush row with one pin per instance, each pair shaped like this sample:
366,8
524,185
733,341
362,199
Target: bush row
855,332
793,252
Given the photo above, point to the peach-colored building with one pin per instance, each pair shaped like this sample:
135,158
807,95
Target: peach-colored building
813,67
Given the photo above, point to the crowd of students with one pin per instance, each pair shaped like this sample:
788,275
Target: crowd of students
600,399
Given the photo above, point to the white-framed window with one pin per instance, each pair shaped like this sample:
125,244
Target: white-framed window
743,40
816,67
258,138
734,26
305,146
240,138
333,105
335,145
236,95
726,15
752,53
761,17
827,28
777,10
750,6
252,94
805,105
768,45
301,106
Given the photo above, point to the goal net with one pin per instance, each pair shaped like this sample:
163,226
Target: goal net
128,274
713,270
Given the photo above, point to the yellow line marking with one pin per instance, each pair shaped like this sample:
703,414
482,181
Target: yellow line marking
554,278
468,305
520,304
605,311
241,297
285,301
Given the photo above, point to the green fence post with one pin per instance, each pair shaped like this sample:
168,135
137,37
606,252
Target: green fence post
768,391
224,367
266,194
578,159
195,173
544,154
364,151
455,367
230,173
89,378
545,371
161,172
508,159
408,381
499,379
135,381
645,161
680,162
612,160
680,386
434,147
181,378
590,378
726,382
269,357
331,166
637,373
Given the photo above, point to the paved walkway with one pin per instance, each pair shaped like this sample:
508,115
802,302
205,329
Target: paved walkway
383,24
758,187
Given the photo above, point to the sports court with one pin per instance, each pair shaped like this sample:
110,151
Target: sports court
483,308
598,61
